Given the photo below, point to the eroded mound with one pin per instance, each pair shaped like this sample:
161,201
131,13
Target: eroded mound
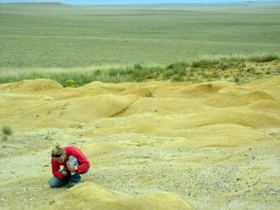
32,86
92,196
214,144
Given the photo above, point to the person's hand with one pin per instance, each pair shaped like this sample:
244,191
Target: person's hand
70,167
63,173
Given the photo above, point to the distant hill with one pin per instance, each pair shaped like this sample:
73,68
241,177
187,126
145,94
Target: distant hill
184,5
153,5
37,3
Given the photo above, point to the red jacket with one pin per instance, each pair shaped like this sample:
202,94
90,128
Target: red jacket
71,150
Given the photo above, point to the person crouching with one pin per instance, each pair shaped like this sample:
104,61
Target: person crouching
74,163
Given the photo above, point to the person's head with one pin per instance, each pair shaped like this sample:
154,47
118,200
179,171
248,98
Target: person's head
58,153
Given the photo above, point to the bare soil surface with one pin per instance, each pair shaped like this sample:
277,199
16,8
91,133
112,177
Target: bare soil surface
198,146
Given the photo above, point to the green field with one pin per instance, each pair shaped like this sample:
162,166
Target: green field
61,37
56,35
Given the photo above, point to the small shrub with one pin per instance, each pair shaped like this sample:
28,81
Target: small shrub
236,78
122,72
239,63
97,72
206,76
251,70
83,79
137,66
152,75
224,66
215,74
113,72
139,75
6,129
178,68
232,64
129,70
177,78
35,75
70,83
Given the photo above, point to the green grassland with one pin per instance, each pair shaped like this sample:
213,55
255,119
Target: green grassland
233,69
41,38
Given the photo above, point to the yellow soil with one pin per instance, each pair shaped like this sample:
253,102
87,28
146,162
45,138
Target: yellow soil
154,145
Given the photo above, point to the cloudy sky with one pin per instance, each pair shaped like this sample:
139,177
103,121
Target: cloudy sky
108,2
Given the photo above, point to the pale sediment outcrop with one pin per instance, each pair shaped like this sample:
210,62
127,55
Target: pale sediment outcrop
154,145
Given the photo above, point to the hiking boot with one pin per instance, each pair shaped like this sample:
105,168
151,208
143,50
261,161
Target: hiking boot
72,184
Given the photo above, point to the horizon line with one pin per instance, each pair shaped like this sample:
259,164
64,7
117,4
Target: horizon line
138,3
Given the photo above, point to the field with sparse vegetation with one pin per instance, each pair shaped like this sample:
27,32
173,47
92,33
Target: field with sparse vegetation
175,106
238,70
75,45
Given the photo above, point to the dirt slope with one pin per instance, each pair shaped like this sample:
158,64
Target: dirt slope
154,145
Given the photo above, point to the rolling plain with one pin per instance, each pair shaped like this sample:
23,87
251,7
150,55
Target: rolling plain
200,131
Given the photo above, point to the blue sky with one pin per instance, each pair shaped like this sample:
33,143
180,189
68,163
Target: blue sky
108,2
